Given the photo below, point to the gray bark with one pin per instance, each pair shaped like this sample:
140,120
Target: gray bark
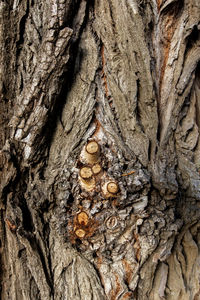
126,75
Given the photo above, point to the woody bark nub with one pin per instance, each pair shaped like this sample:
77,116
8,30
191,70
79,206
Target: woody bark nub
90,153
97,169
110,189
82,220
87,179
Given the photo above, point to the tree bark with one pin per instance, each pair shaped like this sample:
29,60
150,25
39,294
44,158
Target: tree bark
100,149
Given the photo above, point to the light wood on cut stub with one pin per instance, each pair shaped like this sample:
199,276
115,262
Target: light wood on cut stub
112,187
92,147
86,173
80,233
96,169
82,218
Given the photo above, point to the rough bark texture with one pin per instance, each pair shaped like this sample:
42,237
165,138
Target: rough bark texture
125,74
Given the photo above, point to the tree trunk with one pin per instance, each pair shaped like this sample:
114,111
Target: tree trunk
100,149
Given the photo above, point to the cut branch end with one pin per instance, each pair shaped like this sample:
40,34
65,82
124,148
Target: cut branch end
92,148
86,173
82,218
80,233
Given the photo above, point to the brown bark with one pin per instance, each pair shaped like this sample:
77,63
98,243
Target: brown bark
109,87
